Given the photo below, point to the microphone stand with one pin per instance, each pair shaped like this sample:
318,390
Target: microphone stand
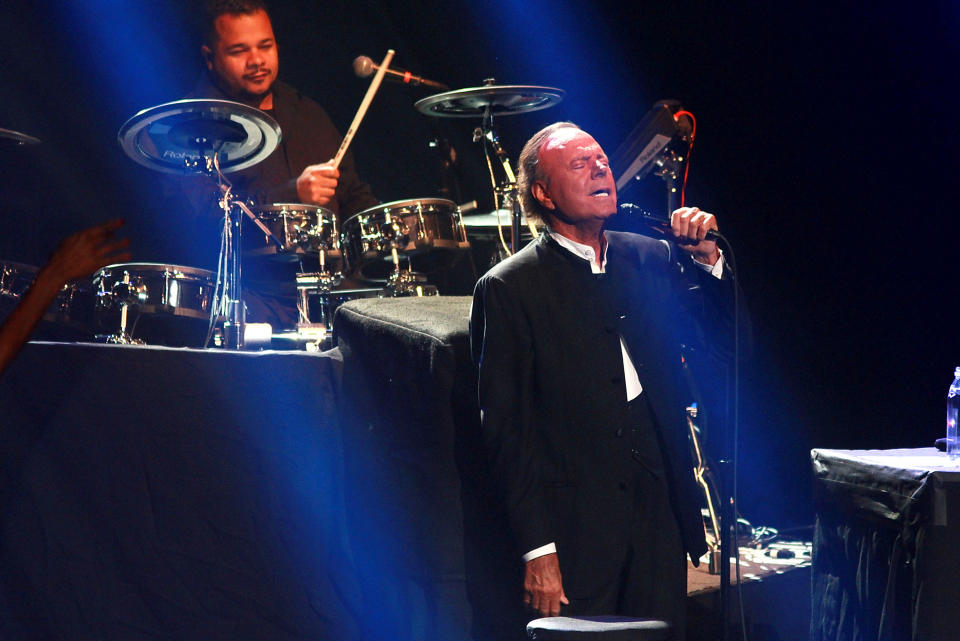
727,458
727,528
667,165
727,468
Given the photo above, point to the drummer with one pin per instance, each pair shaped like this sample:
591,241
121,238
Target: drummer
241,62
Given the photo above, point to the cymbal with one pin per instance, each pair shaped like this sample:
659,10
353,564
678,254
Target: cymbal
18,139
500,100
177,137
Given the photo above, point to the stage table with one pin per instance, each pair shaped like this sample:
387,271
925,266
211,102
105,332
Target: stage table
885,563
157,493
413,462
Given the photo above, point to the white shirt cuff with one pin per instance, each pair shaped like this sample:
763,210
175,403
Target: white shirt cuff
549,548
716,270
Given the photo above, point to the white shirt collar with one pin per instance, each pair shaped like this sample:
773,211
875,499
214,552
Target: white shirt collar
583,251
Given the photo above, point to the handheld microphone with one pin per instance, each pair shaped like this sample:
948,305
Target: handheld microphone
657,223
363,66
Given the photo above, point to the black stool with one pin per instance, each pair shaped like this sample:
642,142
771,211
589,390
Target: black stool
598,628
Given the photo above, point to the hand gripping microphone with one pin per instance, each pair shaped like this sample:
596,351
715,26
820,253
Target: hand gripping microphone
657,223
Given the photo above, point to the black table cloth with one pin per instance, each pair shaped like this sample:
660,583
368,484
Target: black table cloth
885,562
154,493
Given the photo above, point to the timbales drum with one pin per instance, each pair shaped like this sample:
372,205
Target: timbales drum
167,304
300,228
411,226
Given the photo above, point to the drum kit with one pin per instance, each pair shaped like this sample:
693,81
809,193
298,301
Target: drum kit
156,303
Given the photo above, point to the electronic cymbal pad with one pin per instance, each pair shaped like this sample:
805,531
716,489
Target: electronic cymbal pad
17,139
492,100
184,136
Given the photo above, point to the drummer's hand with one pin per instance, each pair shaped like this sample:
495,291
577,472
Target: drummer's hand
317,184
85,252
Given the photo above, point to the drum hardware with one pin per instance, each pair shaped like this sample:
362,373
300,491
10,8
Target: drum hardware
184,136
227,295
321,282
321,335
17,139
70,315
403,282
504,193
499,100
315,337
212,138
395,233
15,279
122,294
486,102
314,284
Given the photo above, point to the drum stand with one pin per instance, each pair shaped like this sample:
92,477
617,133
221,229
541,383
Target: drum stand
507,189
403,282
227,296
124,294
316,284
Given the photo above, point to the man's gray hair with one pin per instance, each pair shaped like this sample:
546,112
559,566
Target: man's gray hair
530,171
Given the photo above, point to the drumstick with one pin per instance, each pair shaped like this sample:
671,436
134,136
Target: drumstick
364,104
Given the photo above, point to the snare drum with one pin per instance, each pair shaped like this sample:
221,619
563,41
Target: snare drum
300,228
167,304
412,226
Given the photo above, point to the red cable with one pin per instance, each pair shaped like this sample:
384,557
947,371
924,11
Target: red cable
693,134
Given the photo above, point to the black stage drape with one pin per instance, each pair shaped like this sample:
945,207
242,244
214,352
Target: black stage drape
884,565
410,429
154,493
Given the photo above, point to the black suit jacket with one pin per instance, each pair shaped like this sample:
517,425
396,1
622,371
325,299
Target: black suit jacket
545,333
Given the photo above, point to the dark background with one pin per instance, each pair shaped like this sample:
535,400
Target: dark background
826,147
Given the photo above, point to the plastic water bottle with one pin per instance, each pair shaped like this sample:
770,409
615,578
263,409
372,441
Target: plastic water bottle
953,404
